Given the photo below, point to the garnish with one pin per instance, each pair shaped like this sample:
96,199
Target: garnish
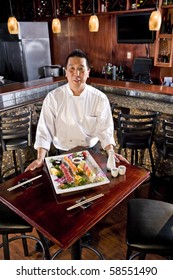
75,170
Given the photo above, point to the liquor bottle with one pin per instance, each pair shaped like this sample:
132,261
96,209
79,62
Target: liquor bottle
121,73
133,5
103,6
114,69
108,70
163,28
169,25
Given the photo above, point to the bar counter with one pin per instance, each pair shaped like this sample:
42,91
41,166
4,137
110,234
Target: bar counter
142,97
123,93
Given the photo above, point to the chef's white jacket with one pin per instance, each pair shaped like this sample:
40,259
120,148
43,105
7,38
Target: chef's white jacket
68,121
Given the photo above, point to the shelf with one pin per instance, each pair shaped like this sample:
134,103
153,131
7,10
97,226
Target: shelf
166,36
163,64
164,42
163,50
167,7
119,12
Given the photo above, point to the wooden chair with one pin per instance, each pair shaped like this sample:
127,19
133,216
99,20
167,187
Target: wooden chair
15,134
135,132
149,228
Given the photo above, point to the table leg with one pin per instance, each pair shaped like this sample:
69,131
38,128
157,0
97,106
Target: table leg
45,245
76,250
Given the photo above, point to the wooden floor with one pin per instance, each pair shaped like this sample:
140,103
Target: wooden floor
108,237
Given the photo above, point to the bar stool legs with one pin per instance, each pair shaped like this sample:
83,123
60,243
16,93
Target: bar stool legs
76,251
24,237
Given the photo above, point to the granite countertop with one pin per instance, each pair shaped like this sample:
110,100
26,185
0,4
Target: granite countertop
19,94
4,82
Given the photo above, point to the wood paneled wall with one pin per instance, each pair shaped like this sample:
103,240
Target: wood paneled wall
101,47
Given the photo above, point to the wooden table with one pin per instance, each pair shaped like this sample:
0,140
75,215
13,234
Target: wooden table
40,206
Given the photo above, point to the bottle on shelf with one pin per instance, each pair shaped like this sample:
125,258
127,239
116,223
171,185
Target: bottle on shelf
165,2
108,70
103,6
164,52
169,25
121,73
133,5
103,75
163,28
114,71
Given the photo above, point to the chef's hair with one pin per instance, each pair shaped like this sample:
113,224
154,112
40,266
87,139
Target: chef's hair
78,53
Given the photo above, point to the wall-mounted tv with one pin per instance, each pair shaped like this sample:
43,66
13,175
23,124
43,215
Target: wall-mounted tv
133,28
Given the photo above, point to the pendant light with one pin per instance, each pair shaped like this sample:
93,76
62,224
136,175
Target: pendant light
93,21
12,23
155,19
56,24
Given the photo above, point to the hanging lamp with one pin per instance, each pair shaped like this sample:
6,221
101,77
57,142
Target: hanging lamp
93,21
155,19
12,23
56,24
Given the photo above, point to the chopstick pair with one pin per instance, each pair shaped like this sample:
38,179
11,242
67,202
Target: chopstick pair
85,201
23,183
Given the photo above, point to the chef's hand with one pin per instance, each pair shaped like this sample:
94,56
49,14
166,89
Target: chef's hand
35,164
41,153
119,158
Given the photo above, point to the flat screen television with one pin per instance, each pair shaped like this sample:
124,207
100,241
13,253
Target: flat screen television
133,28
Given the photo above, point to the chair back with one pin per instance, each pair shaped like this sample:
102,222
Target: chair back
167,139
15,126
136,131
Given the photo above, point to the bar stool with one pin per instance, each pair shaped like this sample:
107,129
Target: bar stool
115,109
135,133
149,228
164,145
15,134
11,223
37,111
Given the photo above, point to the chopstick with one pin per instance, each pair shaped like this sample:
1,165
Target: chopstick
23,183
85,201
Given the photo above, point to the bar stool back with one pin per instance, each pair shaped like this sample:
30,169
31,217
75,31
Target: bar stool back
164,145
11,223
15,134
149,228
136,134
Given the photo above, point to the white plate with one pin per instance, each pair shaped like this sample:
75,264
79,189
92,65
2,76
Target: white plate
101,178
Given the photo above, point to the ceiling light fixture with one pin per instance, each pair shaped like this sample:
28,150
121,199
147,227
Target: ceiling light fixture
155,19
56,24
12,23
93,21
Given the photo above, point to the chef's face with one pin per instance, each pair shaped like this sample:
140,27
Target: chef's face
77,72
